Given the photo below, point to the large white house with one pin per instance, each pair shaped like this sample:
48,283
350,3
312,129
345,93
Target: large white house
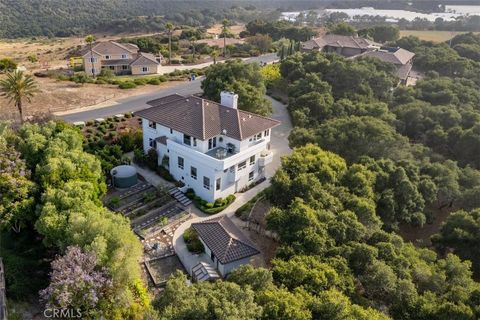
213,148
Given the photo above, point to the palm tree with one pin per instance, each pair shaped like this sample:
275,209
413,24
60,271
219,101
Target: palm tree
169,28
90,40
224,31
16,87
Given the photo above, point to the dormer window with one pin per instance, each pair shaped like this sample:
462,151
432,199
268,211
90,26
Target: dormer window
107,57
124,56
152,124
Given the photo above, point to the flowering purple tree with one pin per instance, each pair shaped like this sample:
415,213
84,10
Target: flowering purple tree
77,282
16,190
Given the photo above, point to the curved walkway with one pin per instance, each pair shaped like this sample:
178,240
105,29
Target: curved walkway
279,142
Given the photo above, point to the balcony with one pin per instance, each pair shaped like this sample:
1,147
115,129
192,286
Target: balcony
266,157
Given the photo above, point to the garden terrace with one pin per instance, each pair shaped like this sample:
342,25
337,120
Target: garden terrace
161,269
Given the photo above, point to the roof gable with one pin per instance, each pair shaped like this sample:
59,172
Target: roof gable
225,240
144,58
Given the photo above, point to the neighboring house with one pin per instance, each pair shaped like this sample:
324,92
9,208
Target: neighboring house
355,47
401,58
225,244
213,148
347,46
121,58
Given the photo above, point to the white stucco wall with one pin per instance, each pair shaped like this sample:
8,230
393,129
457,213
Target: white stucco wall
232,179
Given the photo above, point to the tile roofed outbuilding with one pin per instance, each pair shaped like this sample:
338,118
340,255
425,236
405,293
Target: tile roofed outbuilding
224,239
335,40
204,119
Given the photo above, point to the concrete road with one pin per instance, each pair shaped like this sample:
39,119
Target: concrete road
139,102
134,103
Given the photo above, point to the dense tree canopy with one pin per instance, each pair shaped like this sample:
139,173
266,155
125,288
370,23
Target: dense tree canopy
244,79
328,244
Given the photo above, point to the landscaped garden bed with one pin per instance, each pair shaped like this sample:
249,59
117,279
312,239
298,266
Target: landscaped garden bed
194,245
219,205
161,269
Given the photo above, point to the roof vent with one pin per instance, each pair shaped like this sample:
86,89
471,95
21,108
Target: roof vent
244,119
249,116
224,132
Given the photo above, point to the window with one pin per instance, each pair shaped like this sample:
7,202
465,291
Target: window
252,160
186,139
124,56
251,175
218,184
145,69
242,165
206,183
93,60
266,133
193,172
152,143
111,67
180,162
251,139
212,143
258,136
152,124
194,142
124,67
107,57
171,131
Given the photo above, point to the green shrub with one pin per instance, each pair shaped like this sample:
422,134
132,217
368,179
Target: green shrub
165,174
194,245
100,81
209,205
89,130
128,115
162,79
127,85
114,202
154,81
219,202
89,123
140,81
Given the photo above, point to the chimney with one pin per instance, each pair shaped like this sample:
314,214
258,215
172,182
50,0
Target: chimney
229,99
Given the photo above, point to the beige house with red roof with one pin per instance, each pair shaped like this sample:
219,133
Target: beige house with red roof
121,58
213,148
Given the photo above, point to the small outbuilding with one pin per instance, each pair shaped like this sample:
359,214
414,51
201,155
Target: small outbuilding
124,176
225,244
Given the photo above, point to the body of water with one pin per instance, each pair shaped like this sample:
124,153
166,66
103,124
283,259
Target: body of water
395,15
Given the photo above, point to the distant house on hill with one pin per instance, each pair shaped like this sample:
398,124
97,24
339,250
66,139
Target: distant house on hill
346,46
401,58
121,58
356,47
225,244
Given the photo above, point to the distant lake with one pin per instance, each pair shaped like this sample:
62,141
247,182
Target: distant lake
395,15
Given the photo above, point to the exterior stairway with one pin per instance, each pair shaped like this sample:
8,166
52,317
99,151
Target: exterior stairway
179,196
